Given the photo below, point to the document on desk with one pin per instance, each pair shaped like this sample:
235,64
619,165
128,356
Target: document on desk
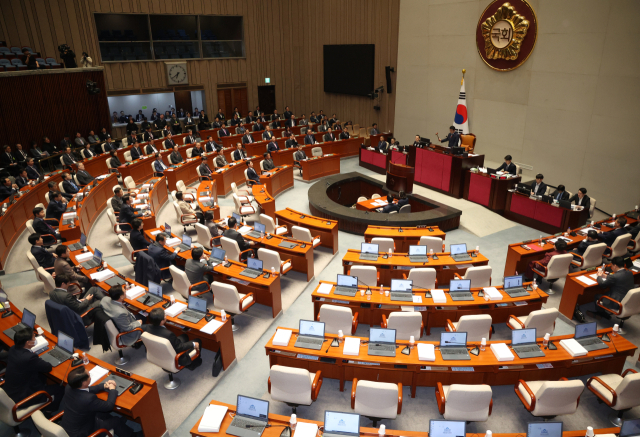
438,296
175,309
492,293
84,257
426,352
172,241
154,233
134,292
568,240
212,418
305,429
245,230
102,276
351,346
417,299
325,288
574,348
212,326
586,280
282,337
502,352
96,374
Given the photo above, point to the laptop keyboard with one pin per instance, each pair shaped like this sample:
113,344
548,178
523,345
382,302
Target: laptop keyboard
369,256
345,290
254,234
55,353
589,341
464,257
248,424
453,351
526,349
401,296
418,259
250,273
383,347
314,341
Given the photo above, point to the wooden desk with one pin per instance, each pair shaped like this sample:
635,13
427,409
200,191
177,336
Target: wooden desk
398,265
97,165
409,370
399,176
370,204
185,171
278,180
318,167
408,236
327,229
541,215
373,160
140,169
488,191
208,189
265,200
144,407
233,172
278,421
371,308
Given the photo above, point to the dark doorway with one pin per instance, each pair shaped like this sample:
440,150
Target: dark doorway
183,100
267,98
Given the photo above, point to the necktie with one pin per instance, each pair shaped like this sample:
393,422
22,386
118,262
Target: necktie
558,196
74,186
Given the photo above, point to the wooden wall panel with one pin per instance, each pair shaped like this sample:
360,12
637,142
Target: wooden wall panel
283,41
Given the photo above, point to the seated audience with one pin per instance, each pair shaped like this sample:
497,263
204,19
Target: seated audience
68,184
22,180
158,165
127,213
43,228
187,210
268,164
124,321
538,188
560,193
56,206
79,304
581,199
175,156
560,248
506,166
83,176
7,189
618,229
251,173
195,269
162,257
619,282
136,237
44,258
156,326
592,238
233,234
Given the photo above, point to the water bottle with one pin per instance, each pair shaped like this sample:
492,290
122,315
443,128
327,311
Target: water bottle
442,247
293,421
535,284
273,271
477,250
545,340
172,299
223,315
540,241
412,341
340,335
488,434
225,259
85,358
589,432
261,234
390,252
483,344
616,328
431,253
381,289
381,430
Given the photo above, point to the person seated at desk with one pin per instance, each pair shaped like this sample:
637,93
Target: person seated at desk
303,121
156,326
247,138
187,210
560,248
127,213
56,206
148,135
221,161
323,126
618,229
329,136
22,180
108,146
235,235
538,188
68,184
175,156
250,118
619,282
453,138
272,146
239,153
151,149
79,140
383,145
158,165
560,194
291,121
169,143
291,142
83,176
68,158
189,121
113,306
309,138
8,161
32,171
103,135
64,267
116,200
581,199
190,138
26,373
162,257
267,134
251,173
344,135
633,230
390,207
402,199
136,151
39,153
212,146
258,125
236,121
204,169
592,238
196,270
53,187
139,115
79,304
216,123
267,164
374,129
160,122
210,223
50,148
507,165
299,155
133,138
45,259
43,228
114,161
93,138
20,155
224,132
136,237
87,152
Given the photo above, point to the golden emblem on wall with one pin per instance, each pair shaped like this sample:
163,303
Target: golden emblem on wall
503,33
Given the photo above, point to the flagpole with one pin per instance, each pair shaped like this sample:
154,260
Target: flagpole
463,72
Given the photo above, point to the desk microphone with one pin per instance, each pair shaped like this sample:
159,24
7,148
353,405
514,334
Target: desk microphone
368,288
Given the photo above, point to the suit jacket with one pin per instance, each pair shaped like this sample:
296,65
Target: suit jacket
38,153
268,164
137,240
237,155
136,153
26,373
247,139
344,135
235,235
511,168
104,135
402,202
586,201
21,182
267,135
115,162
619,283
291,143
314,119
275,117
196,152
70,187
303,122
43,228
224,132
633,230
329,137
287,115
176,344
68,158
610,237
374,132
162,257
252,175
127,214
169,144
81,409
148,136
122,318
584,245
116,203
290,122
236,122
189,121
541,189
323,128
204,169
84,178
185,208
211,146
272,146
195,270
309,139
221,161
189,139
62,266
383,146
44,258
220,115
5,192
63,297
21,157
149,149
160,123
558,196
299,155
249,119
55,210
32,172
80,141
258,127
391,207
88,153
176,157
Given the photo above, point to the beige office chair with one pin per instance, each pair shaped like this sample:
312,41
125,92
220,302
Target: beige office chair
184,219
270,225
62,162
243,210
629,306
367,275
115,339
189,153
200,176
124,142
634,245
619,246
170,160
271,260
592,257
227,298
43,275
161,353
476,326
543,320
550,398
405,209
557,268
375,196
479,276
127,156
303,234
186,191
422,277
29,226
432,243
262,166
48,428
316,151
182,284
13,414
115,225
205,238
129,183
46,197
294,386
384,244
337,318
362,199
592,206
61,187
619,392
471,403
376,400
406,324
232,249
244,195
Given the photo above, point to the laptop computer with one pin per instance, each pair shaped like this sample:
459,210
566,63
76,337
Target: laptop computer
122,384
453,346
544,429
459,289
217,256
93,262
382,342
447,428
186,243
586,336
28,321
196,310
459,252
237,217
523,343
523,189
338,424
630,428
310,335
252,417
80,245
153,296
254,268
61,352
369,252
346,285
257,229
401,289
418,254
513,286
167,229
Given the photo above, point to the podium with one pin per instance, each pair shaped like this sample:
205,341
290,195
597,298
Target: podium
400,177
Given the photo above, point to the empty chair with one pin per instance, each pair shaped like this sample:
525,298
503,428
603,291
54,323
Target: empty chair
48,428
634,245
619,246
432,243
549,398
13,414
116,341
243,195
233,250
186,191
405,209
367,275
406,324
375,196
544,321
227,298
619,392
592,206
592,257
316,151
303,234
424,277
205,238
182,284
243,210
479,276
129,183
270,225
161,353
189,153
376,400
476,326
362,199
557,268
271,261
337,318
628,307
384,244
469,402
116,225
184,219
294,386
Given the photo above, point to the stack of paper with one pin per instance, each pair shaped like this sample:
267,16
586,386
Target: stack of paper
84,257
142,196
212,418
306,429
244,230
175,309
154,233
492,293
146,185
102,276
204,199
282,337
351,346
41,344
586,280
438,296
502,352
96,374
325,288
173,241
135,292
426,352
212,326
69,215
574,348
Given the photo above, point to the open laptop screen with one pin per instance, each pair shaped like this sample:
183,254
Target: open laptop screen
458,248
83,240
544,429
368,248
630,428
460,285
347,281
237,217
453,339
447,428
586,330
522,336
217,253
97,256
155,289
259,227
167,229
254,263
28,318
341,422
197,304
513,281
65,341
401,285
186,240
315,329
253,407
381,335
417,250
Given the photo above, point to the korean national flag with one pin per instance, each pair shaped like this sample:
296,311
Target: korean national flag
461,119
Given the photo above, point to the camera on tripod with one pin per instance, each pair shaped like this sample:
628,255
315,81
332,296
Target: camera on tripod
63,48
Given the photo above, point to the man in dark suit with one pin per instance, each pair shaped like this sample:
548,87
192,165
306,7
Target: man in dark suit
103,135
538,188
56,206
506,166
198,271
26,373
220,114
68,184
416,142
39,153
344,135
267,134
390,208
127,213
272,146
216,123
560,249
287,113
160,123
258,126
43,228
139,116
157,319
7,189
87,152
220,160
32,171
236,121
136,152
85,413
329,135
402,199
303,121
267,163
190,138
592,238
108,146
114,161
204,169
560,193
162,257
83,176
275,116
66,142
45,259
68,157
247,138
299,155
223,132
211,146
197,150
63,294
453,138
132,138
610,237
169,143
323,126
150,148
383,145
136,237
251,173
116,200
235,235
20,155
250,118
581,199
291,122
148,135
158,165
314,118
239,153
80,141
619,282
22,180
8,161
291,142
175,156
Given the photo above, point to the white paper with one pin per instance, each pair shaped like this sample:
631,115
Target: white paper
245,230
96,374
41,343
135,292
172,241
305,429
204,199
492,293
325,288
586,280
574,348
84,257
417,299
69,215
426,352
212,418
502,352
438,296
282,337
154,233
212,326
146,185
102,276
175,309
351,346
407,309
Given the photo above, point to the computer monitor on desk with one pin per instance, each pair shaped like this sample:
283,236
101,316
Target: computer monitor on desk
630,428
544,429
447,428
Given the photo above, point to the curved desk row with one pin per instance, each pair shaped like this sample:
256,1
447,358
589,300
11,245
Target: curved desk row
540,215
326,229
403,237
